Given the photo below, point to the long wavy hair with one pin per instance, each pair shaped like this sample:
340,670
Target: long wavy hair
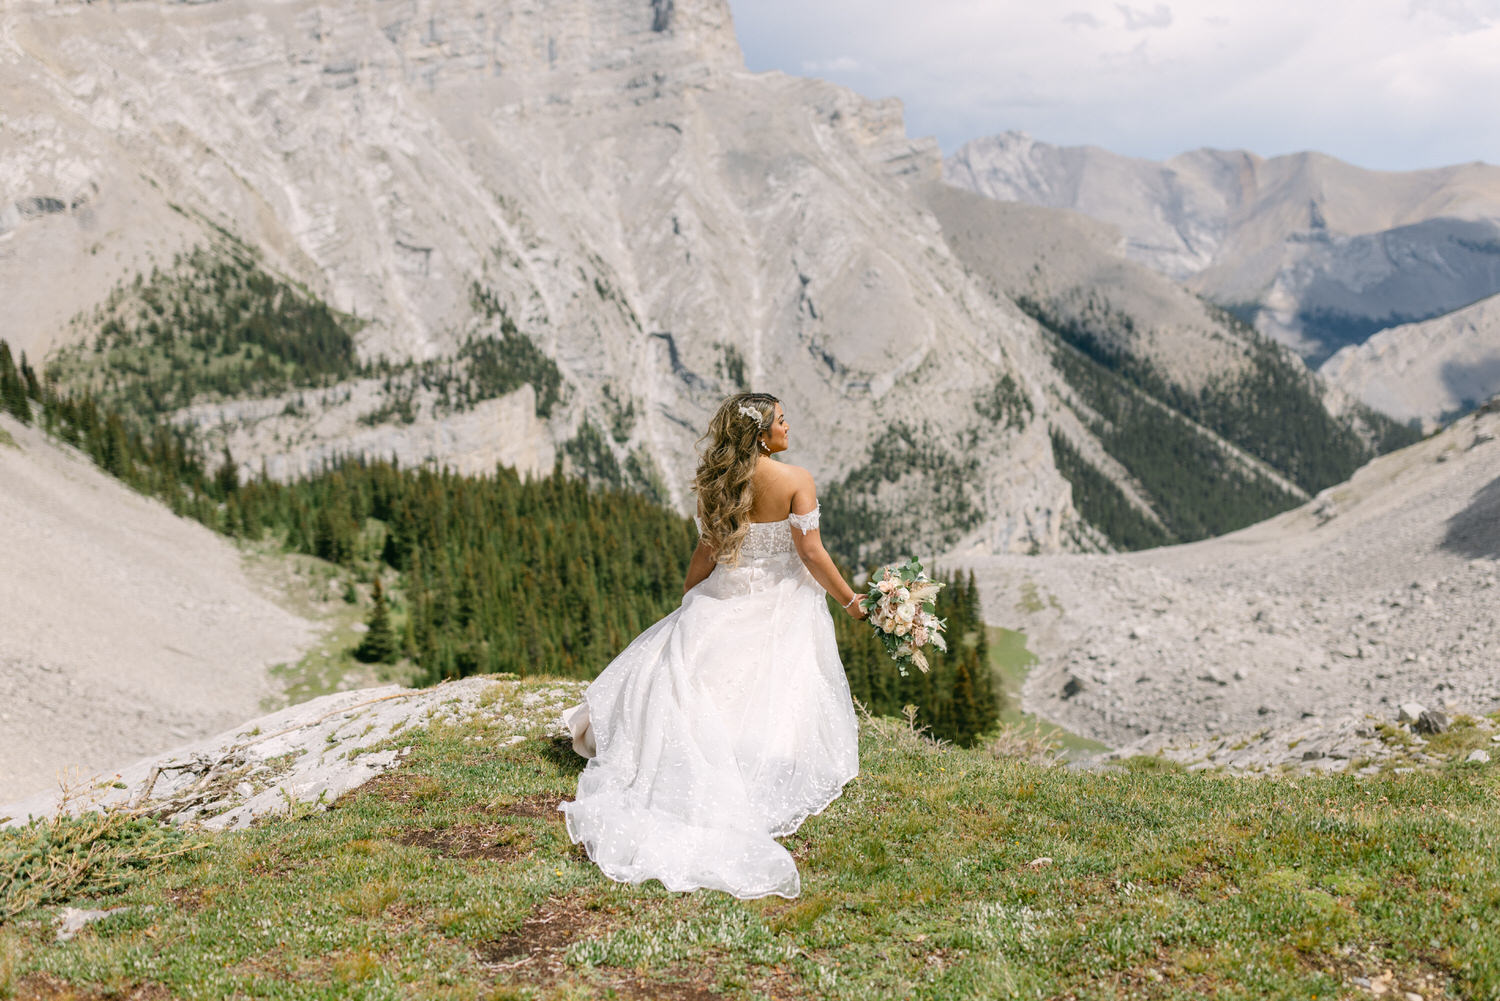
726,459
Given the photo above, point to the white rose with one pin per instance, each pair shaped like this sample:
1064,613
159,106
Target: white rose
902,628
906,613
902,594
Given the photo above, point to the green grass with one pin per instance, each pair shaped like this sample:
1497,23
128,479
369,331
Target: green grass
6,440
454,878
312,588
1011,662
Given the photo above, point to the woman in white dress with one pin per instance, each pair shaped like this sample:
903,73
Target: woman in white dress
728,723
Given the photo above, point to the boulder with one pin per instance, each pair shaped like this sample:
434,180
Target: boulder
1409,712
1431,721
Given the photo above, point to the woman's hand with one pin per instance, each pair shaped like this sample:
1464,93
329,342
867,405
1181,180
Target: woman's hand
856,608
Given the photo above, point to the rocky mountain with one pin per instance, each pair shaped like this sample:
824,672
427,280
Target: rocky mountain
1425,372
1313,251
1375,593
528,233
598,182
1172,419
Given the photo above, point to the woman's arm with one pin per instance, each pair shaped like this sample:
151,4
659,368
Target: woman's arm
814,556
699,567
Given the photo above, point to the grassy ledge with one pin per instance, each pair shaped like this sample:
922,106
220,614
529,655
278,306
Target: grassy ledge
1010,662
941,873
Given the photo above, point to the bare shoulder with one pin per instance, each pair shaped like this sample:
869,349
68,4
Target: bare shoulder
794,476
794,481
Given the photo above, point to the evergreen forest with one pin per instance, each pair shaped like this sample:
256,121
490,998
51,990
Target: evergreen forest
1156,430
550,576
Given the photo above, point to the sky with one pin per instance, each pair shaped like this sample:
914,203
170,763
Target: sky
1384,84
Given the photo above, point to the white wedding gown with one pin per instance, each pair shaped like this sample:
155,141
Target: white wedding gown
721,727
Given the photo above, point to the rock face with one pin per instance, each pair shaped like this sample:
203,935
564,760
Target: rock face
1377,593
1428,371
661,223
1321,252
504,431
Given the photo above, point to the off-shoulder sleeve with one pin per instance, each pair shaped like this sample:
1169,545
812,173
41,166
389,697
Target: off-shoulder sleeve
699,523
805,522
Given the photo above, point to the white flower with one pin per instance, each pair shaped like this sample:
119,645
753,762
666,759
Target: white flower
924,590
906,613
902,628
902,594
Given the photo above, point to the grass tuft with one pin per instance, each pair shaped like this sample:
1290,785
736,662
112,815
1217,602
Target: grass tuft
52,860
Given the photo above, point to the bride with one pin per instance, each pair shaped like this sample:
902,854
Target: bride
728,723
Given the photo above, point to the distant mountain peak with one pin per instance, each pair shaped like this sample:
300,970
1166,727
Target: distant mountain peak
1320,253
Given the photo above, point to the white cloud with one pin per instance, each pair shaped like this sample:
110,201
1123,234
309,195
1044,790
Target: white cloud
1082,19
1465,15
1139,20
1382,83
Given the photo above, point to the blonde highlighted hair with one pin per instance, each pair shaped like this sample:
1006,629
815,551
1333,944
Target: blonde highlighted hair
726,460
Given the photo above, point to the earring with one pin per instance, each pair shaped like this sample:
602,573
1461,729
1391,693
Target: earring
764,447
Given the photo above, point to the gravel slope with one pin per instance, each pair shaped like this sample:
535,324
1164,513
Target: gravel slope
124,630
1377,592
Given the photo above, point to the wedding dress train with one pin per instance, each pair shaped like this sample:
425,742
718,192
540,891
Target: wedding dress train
721,727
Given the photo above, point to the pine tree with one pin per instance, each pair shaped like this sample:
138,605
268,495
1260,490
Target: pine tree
380,645
28,376
12,387
227,479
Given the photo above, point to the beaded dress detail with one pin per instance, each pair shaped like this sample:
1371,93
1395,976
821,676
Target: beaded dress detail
720,728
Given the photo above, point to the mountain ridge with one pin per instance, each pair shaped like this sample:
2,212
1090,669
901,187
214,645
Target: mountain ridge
596,192
1316,251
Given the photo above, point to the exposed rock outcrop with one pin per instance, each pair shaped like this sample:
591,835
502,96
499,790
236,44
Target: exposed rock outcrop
303,757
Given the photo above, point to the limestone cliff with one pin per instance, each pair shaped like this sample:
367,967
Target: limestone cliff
603,174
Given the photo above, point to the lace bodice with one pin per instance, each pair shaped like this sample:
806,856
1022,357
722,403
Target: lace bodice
772,538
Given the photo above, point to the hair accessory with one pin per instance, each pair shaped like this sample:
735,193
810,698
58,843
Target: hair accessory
750,412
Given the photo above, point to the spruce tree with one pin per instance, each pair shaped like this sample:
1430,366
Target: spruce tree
966,717
380,644
12,388
227,479
28,376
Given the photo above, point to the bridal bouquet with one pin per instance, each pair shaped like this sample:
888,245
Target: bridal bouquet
901,603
